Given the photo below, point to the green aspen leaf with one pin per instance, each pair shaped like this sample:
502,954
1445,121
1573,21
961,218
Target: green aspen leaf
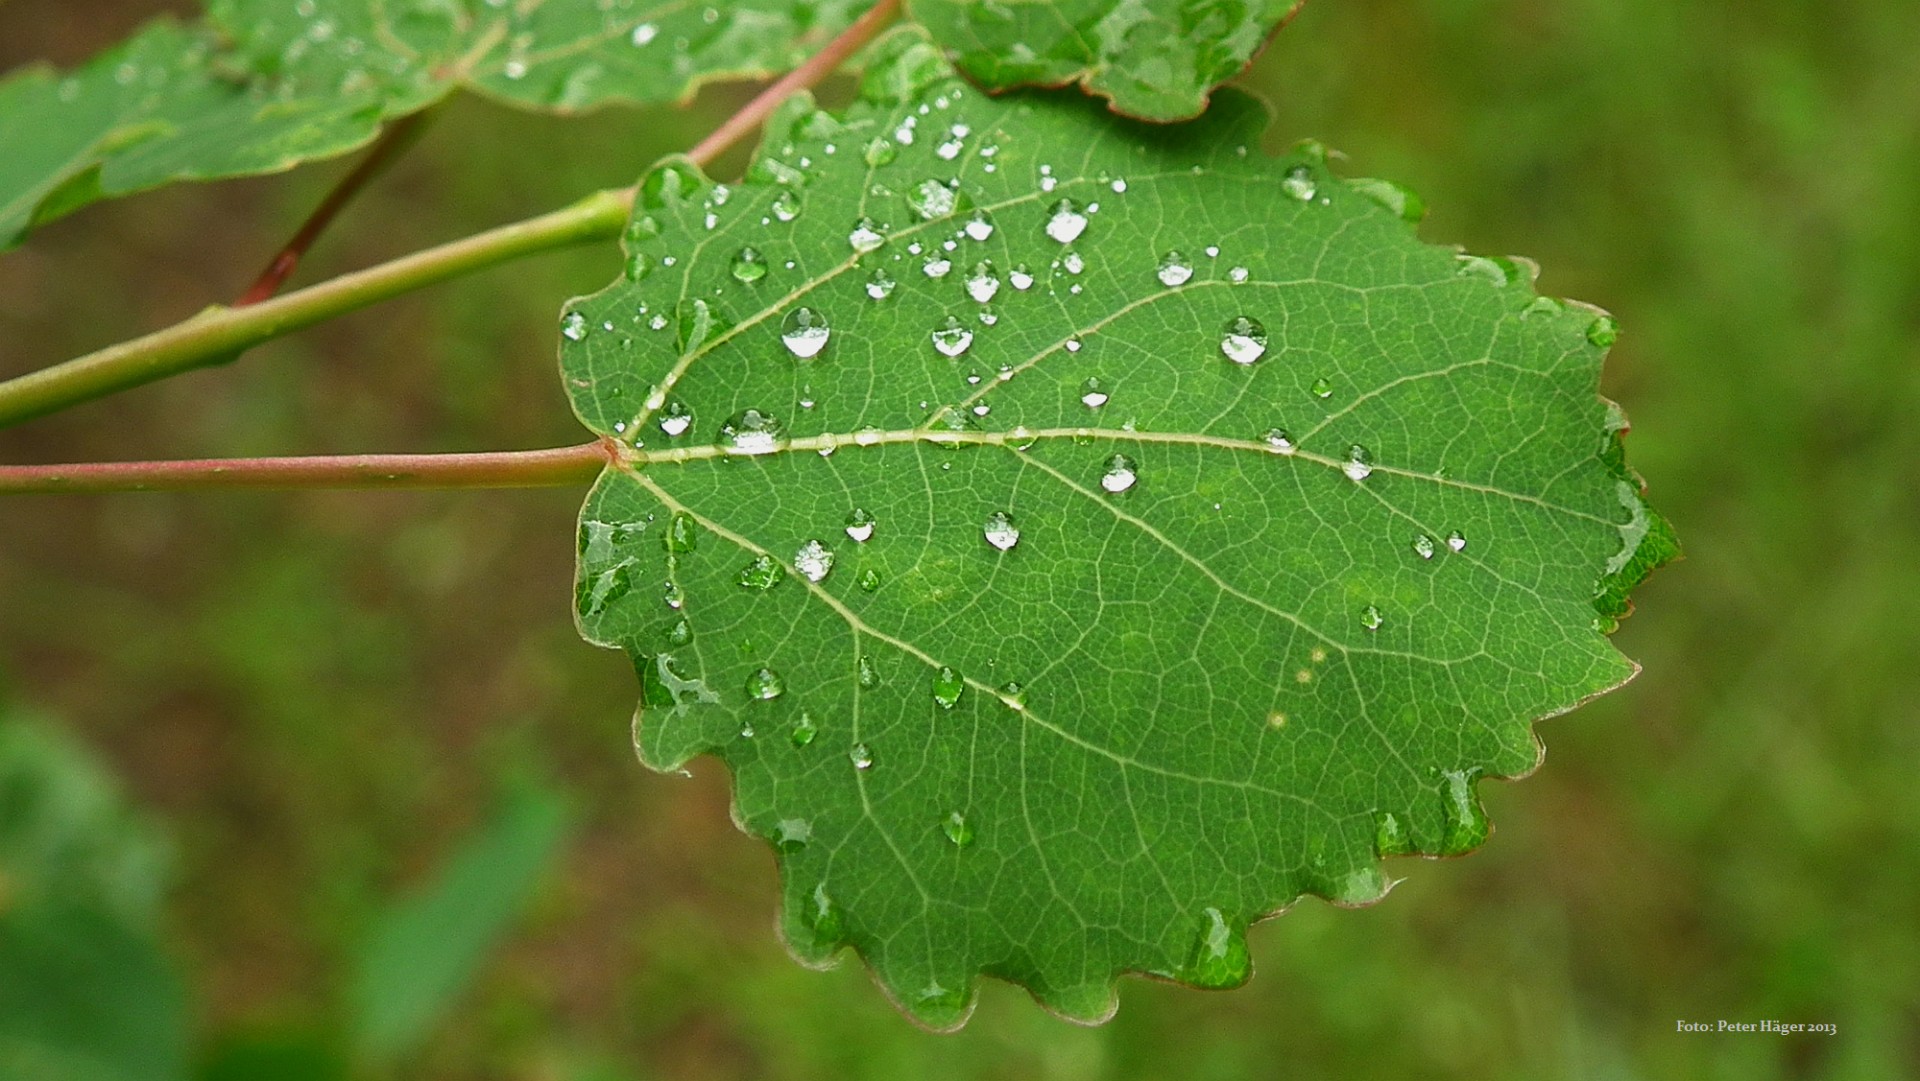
1082,538
1155,59
265,85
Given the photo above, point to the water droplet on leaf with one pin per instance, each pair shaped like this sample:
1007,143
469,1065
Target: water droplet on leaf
814,560
1243,340
1174,269
765,684
1000,532
751,431
1065,222
804,332
1120,475
951,338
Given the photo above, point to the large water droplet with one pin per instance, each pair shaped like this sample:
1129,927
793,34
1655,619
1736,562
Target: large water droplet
1219,957
1299,184
804,332
1021,277
786,205
676,419
1390,835
1174,269
792,834
936,265
861,756
982,282
947,686
1065,222
1466,820
979,226
1243,340
1000,530
751,432
574,327
749,266
1457,542
860,525
931,199
866,235
683,533
1400,201
1120,475
765,684
762,572
957,829
814,560
951,337
1359,463
880,286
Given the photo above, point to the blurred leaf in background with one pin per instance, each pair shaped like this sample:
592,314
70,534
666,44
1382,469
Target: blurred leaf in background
86,991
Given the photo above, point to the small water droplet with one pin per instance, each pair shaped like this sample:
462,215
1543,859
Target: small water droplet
865,673
1021,277
1423,546
762,572
869,580
683,533
957,829
1370,618
931,199
1499,272
1322,388
751,431
1603,332
1279,442
982,282
1456,541
638,265
673,596
1174,269
979,226
680,633
936,266
1243,340
749,266
866,236
1237,275
1299,183
1119,186
1073,345
1065,222
1121,473
1000,531
644,34
861,756
1093,393
860,525
951,338
676,419
814,560
574,326
804,730
805,332
765,684
880,286
1359,463
880,151
947,686
786,205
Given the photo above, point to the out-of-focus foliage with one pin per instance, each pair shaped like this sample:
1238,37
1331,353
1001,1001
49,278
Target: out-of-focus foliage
1736,834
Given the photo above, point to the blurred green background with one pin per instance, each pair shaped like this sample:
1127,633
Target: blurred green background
323,701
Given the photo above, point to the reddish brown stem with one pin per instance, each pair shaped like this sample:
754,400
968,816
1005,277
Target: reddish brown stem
557,467
817,67
398,138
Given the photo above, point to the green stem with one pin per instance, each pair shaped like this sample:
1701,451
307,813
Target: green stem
558,467
220,333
